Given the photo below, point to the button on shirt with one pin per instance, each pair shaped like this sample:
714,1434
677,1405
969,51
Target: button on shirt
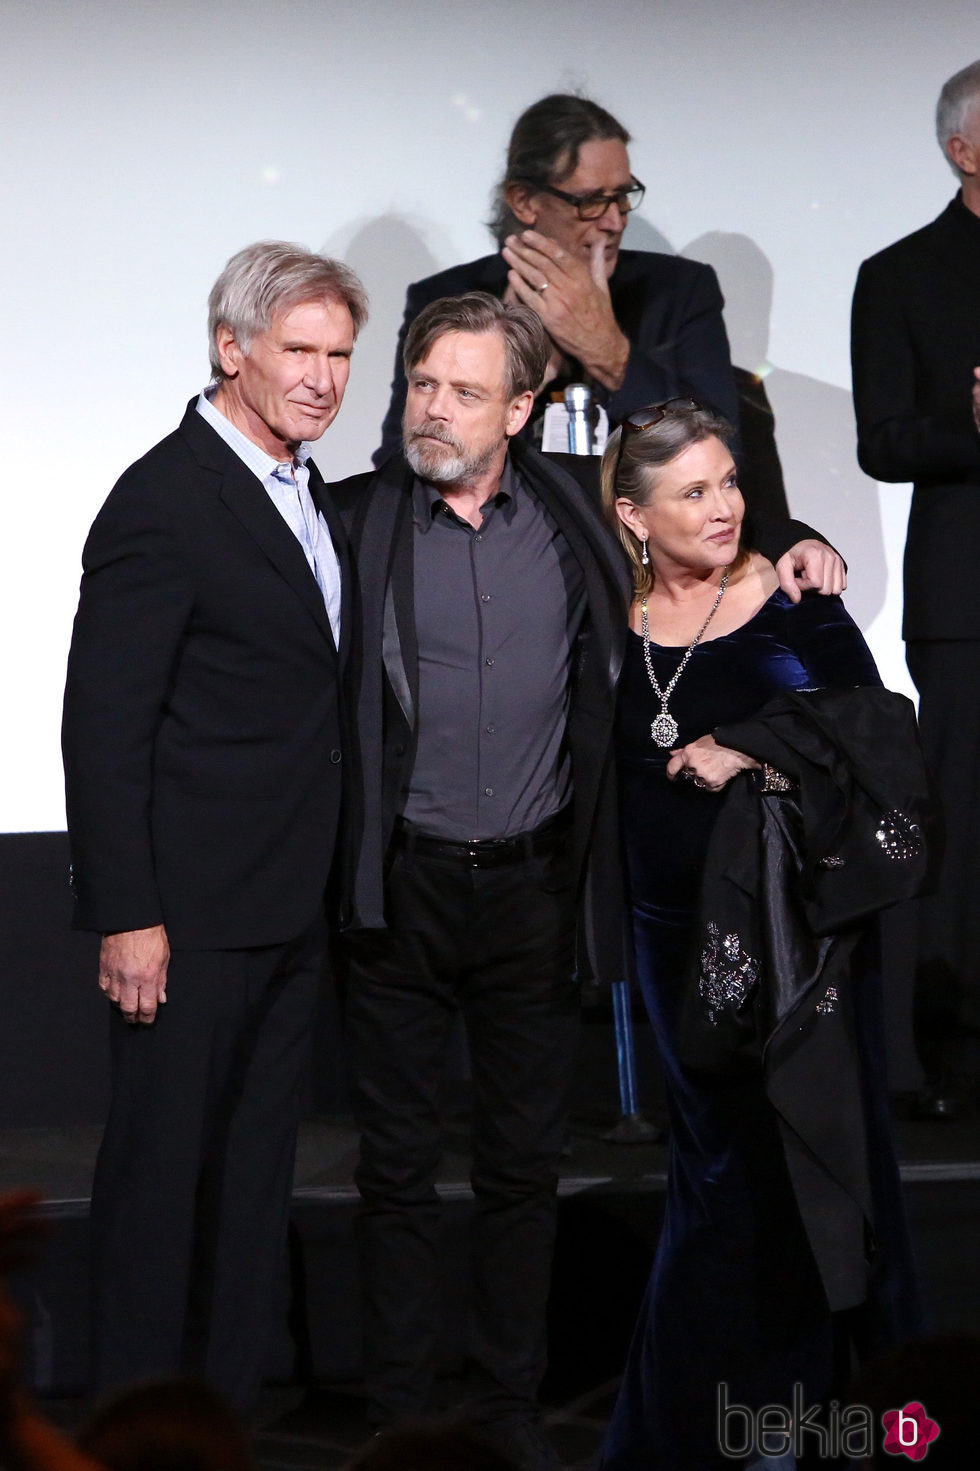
497,610
287,484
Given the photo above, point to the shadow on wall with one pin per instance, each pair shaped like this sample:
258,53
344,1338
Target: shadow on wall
815,428
387,253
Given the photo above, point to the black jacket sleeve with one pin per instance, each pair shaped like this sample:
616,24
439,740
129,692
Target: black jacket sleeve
135,601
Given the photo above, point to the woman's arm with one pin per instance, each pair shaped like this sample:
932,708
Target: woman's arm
830,647
828,643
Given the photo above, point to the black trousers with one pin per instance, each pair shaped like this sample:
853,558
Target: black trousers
192,1186
947,676
496,944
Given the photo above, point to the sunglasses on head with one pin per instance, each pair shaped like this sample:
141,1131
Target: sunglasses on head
652,414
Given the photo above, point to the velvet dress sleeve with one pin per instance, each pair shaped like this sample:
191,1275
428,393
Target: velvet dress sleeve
828,642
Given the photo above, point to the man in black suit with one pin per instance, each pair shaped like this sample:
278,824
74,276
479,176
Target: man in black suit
203,741
494,604
915,352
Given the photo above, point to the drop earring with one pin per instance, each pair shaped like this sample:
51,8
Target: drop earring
645,558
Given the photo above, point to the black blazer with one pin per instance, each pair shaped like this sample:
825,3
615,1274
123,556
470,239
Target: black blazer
380,510
669,308
202,724
915,340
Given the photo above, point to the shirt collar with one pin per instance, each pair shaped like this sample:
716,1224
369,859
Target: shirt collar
258,461
427,498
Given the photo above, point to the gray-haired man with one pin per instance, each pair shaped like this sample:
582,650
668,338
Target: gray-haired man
916,356
203,749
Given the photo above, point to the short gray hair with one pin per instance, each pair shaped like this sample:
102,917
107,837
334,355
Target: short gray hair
959,97
269,278
527,344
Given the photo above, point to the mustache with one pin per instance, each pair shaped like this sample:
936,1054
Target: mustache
435,431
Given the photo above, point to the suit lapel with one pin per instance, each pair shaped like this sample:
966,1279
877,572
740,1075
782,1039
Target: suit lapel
382,537
602,562
629,295
246,498
323,502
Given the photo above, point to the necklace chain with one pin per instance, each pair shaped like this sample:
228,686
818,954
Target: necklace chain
664,728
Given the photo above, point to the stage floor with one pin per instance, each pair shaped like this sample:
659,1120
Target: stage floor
59,1161
611,1203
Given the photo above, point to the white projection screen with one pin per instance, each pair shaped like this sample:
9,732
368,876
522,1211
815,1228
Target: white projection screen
143,143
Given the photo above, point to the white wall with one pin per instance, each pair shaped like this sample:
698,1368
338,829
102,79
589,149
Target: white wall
142,143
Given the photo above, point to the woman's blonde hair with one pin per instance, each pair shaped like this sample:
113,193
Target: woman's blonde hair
632,473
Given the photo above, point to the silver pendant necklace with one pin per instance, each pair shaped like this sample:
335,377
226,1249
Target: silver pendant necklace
664,729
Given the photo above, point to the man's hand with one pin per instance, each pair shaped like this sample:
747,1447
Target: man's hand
810,564
133,972
976,398
707,764
572,300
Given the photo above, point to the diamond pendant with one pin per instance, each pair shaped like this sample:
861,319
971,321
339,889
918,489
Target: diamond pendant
664,729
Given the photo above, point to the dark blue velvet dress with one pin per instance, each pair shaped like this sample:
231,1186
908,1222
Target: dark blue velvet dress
734,1295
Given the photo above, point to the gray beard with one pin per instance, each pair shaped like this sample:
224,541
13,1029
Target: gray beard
437,469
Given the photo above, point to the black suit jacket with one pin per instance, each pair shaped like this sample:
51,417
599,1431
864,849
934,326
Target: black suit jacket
915,340
669,308
202,725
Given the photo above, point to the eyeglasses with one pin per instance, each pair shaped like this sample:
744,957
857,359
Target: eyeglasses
594,206
646,418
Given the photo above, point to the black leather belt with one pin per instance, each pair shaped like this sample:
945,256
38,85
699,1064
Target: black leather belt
484,852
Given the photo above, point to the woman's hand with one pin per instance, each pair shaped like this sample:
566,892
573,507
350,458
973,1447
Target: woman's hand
707,764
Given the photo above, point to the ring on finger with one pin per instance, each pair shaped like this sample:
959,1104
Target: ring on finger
544,286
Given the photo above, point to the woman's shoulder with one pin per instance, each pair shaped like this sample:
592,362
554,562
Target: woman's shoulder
812,604
822,632
750,589
812,611
755,579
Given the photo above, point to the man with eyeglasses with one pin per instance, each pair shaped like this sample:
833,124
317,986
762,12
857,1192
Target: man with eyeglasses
639,327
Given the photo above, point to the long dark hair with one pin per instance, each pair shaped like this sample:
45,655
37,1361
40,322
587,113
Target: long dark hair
544,148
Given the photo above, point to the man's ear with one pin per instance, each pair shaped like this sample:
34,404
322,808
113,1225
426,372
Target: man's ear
518,413
522,203
963,154
229,353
